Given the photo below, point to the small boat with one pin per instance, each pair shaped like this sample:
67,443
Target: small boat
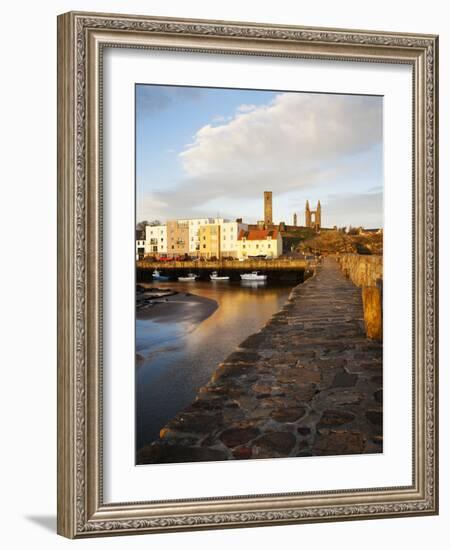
215,277
253,276
157,276
188,277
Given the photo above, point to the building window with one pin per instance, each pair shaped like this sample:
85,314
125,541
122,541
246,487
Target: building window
268,246
257,246
204,246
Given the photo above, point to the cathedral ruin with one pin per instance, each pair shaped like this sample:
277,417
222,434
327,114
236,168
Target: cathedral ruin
313,217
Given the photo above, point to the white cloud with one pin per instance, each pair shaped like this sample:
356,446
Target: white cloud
294,134
297,142
246,108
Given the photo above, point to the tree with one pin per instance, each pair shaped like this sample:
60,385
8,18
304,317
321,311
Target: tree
141,225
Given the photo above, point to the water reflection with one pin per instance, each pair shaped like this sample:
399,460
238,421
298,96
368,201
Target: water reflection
253,284
178,351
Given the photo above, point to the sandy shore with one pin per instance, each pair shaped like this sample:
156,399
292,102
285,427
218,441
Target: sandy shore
178,307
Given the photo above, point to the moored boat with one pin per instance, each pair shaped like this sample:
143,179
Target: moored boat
188,277
157,276
253,276
215,277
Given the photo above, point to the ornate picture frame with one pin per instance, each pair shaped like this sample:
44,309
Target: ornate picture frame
82,38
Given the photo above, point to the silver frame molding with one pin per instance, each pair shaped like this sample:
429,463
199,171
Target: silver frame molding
81,38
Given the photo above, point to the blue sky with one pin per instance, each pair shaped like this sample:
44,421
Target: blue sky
207,151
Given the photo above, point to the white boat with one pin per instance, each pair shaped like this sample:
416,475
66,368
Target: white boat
157,275
253,276
215,277
188,277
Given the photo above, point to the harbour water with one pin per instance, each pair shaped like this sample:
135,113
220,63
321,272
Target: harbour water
181,341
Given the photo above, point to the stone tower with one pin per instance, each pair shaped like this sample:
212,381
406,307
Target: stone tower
318,223
307,215
268,221
313,218
295,219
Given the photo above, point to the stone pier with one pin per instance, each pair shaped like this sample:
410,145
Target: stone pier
308,384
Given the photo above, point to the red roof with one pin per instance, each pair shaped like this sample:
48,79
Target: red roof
257,234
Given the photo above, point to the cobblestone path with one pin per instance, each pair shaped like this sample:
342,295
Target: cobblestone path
309,383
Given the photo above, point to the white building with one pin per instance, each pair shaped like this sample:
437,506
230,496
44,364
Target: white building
229,231
156,243
140,248
259,242
194,232
155,239
229,238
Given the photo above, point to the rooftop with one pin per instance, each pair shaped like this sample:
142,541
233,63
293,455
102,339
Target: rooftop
258,234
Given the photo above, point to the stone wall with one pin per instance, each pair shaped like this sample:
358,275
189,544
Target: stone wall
367,273
362,270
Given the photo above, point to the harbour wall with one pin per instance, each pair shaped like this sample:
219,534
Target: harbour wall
366,272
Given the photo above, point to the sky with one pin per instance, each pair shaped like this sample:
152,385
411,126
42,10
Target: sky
209,152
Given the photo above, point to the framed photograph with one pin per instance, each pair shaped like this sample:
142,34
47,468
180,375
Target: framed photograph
247,276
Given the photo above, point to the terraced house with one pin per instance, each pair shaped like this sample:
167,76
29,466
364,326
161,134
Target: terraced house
265,243
156,239
197,237
177,238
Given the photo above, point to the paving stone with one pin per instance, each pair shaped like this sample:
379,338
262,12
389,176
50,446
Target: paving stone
332,418
232,371
288,414
243,452
262,389
194,422
344,380
339,443
243,357
237,436
254,341
274,444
